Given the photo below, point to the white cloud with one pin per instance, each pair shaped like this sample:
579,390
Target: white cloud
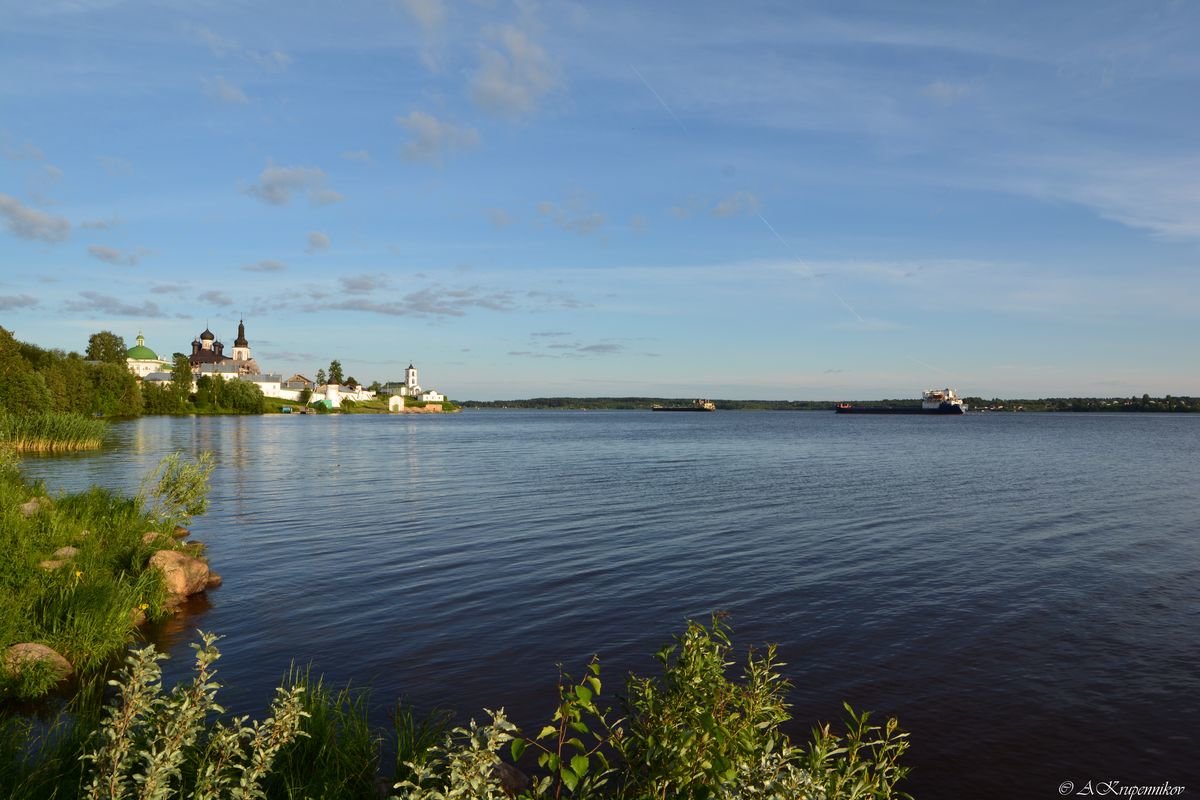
112,255
499,217
737,203
433,138
101,224
317,242
429,14
14,301
107,304
222,46
514,76
945,92
225,92
277,185
217,298
115,166
576,215
29,223
363,284
265,266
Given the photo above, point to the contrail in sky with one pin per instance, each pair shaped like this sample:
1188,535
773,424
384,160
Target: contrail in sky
783,241
796,256
658,97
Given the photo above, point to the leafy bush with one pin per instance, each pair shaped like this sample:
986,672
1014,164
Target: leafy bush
691,733
177,489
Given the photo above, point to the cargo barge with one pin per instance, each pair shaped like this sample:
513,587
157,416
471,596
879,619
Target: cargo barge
697,405
934,401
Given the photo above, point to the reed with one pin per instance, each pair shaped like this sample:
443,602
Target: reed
51,432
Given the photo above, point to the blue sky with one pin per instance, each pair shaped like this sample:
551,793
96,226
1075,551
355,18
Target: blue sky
765,200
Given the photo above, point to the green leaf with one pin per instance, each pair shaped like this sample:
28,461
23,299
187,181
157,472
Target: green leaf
549,730
595,682
518,747
579,765
584,694
580,727
578,745
569,778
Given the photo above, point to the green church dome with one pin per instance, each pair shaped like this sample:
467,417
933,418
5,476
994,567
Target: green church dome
139,352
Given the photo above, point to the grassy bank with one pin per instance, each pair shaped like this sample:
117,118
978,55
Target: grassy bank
50,432
73,576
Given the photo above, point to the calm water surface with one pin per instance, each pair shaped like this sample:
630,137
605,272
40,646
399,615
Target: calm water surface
1022,591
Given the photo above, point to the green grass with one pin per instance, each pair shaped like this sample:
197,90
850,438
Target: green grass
84,608
49,432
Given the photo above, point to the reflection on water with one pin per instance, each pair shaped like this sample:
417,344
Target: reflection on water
1020,590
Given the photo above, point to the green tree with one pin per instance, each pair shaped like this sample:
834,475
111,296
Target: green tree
320,377
24,393
181,379
115,391
335,372
107,347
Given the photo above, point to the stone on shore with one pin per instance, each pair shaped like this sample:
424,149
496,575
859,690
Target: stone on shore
34,505
180,532
66,552
512,780
17,657
182,574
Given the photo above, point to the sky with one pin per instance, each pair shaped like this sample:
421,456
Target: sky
775,200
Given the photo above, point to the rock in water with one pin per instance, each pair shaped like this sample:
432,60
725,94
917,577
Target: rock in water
19,655
182,574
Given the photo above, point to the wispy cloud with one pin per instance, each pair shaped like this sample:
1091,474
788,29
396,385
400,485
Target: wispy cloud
216,297
115,166
363,284
356,155
500,218
429,14
95,302
514,74
101,224
11,302
946,92
277,185
432,139
111,255
223,46
223,91
265,266
742,202
318,242
434,301
30,223
576,215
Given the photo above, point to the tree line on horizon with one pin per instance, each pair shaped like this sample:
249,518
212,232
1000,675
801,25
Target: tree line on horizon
1145,403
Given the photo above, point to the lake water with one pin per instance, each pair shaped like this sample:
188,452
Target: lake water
1022,591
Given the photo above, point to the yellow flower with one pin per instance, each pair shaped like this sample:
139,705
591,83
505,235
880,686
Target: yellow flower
143,606
78,573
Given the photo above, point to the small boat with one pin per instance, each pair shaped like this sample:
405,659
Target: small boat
933,401
697,405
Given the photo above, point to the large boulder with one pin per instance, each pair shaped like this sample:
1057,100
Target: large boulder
182,574
17,657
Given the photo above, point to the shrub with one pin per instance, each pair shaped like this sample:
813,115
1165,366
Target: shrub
177,489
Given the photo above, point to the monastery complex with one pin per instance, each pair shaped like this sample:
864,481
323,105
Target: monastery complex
208,358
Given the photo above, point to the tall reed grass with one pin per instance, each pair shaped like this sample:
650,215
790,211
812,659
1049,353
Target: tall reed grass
51,432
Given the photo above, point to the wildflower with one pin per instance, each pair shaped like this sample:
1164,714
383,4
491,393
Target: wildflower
143,606
78,574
